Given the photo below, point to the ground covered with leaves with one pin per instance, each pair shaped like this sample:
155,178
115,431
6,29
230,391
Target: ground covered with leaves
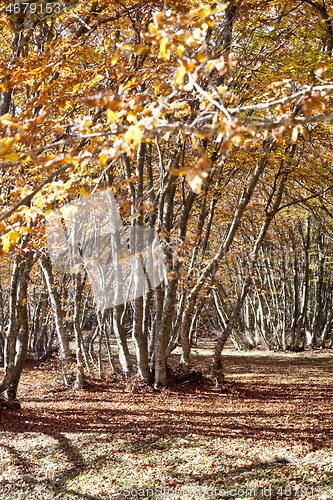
117,439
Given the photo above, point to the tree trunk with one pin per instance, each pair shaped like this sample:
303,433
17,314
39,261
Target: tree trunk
18,336
58,318
120,333
216,362
79,381
163,335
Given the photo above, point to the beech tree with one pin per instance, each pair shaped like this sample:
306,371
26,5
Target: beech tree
210,123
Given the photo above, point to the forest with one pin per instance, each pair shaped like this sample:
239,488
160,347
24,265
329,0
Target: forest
211,125
165,180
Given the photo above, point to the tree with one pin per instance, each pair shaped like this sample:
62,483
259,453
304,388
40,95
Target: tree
192,115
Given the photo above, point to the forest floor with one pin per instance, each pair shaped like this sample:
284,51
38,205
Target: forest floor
117,439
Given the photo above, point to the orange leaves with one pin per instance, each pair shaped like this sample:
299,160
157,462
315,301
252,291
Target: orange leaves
132,49
133,135
84,192
196,174
320,70
172,32
225,63
10,238
315,100
165,54
179,76
6,147
194,178
115,57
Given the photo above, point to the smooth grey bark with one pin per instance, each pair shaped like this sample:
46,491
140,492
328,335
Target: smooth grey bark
2,326
16,344
216,361
58,318
12,328
296,291
22,342
79,380
139,339
224,248
318,312
326,330
305,291
223,318
120,334
156,326
163,336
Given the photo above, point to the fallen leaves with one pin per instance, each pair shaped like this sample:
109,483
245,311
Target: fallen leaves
115,436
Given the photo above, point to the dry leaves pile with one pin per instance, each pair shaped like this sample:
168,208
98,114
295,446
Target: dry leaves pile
118,439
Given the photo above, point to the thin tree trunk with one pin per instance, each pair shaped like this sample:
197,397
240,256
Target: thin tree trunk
120,333
216,362
163,336
18,330
58,318
79,381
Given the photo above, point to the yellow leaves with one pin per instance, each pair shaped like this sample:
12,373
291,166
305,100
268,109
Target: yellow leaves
10,238
126,46
294,134
180,50
133,134
76,88
7,120
103,160
115,57
57,161
190,65
195,174
78,268
2,226
202,57
111,115
139,50
48,213
159,19
84,192
5,243
199,172
131,117
194,178
180,74
5,147
195,142
163,49
296,131
12,156
225,63
98,78
237,139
